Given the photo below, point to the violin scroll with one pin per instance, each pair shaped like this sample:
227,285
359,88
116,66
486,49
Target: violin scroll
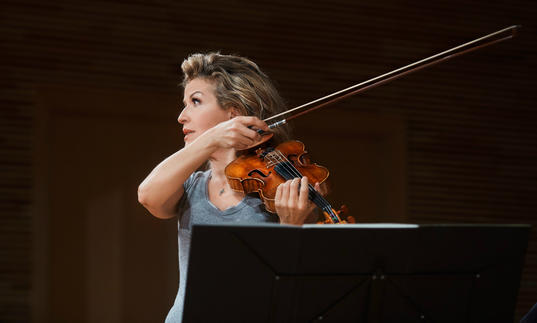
328,219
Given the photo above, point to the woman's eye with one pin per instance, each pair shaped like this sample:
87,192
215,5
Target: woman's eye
196,101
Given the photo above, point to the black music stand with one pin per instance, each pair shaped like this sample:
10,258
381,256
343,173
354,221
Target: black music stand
354,273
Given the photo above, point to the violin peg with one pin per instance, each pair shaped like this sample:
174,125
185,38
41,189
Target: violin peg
350,219
342,209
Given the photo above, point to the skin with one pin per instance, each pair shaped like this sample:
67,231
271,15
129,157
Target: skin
215,134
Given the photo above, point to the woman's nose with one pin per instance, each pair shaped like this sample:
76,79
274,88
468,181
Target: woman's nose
182,118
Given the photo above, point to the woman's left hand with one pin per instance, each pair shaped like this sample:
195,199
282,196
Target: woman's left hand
292,203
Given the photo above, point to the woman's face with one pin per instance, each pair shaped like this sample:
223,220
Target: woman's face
201,111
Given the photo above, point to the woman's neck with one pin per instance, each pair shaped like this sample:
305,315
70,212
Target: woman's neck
220,193
219,161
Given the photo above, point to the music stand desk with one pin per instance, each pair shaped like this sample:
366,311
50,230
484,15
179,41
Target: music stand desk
354,273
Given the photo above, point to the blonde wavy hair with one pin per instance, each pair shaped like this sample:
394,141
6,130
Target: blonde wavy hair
239,83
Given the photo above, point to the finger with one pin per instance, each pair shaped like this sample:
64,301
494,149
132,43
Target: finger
239,141
255,123
264,138
248,133
257,140
239,125
240,136
304,190
250,138
278,197
293,192
284,198
321,188
261,132
257,126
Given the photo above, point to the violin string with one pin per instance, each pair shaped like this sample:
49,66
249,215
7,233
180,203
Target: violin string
291,171
294,172
297,173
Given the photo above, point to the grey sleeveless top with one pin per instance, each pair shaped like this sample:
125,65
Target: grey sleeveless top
195,208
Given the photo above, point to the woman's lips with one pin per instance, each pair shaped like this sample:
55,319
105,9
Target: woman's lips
187,132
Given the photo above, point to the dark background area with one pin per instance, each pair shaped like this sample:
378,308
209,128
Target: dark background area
89,101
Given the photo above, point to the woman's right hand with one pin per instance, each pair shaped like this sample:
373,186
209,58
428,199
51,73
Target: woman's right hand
238,133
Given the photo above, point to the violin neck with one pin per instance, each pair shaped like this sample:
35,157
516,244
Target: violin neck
323,204
288,171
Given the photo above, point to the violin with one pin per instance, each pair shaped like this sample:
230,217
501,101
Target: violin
268,167
264,169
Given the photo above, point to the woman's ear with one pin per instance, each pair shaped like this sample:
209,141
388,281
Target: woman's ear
233,112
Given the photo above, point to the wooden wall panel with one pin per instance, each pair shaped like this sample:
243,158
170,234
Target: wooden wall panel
470,123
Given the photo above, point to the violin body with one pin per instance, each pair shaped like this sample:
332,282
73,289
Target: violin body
255,172
265,169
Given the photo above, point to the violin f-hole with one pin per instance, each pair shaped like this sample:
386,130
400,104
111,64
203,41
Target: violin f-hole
260,173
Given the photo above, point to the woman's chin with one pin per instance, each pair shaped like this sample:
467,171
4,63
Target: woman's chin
188,139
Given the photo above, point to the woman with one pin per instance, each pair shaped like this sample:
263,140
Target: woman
225,99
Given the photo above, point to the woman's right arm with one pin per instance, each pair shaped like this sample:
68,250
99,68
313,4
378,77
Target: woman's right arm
162,189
